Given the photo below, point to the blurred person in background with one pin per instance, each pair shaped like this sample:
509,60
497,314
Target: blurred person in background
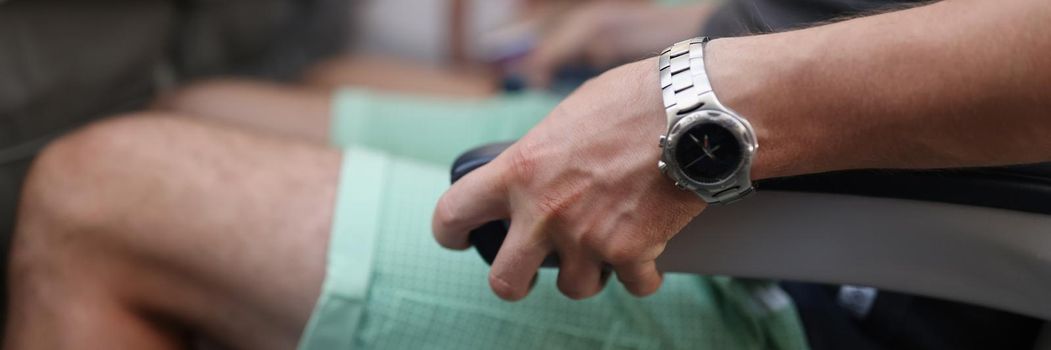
492,47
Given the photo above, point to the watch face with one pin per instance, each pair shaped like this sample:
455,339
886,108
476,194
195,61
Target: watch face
708,153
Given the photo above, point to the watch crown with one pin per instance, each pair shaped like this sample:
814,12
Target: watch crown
662,166
680,185
663,140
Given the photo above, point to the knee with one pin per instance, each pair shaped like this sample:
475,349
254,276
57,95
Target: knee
68,193
79,181
76,176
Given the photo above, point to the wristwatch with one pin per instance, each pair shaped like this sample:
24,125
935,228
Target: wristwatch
708,148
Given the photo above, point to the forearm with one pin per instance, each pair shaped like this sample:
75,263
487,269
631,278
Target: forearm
957,83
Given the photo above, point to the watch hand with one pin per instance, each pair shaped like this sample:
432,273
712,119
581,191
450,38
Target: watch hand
709,153
693,162
695,140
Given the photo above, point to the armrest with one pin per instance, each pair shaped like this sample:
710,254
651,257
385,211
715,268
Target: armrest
981,236
985,256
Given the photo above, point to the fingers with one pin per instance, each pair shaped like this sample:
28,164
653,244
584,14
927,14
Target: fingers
478,198
517,262
640,279
580,276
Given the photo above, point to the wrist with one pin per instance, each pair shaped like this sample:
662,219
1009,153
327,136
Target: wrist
756,77
655,124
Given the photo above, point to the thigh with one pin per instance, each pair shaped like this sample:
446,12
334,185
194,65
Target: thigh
221,229
296,112
392,74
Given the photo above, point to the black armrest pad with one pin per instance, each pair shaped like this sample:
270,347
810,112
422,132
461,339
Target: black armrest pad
1022,188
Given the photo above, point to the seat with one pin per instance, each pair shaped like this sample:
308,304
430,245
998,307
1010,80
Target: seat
980,236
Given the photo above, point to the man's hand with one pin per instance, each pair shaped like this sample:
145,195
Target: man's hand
607,33
584,183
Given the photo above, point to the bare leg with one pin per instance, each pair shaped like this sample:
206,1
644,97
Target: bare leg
304,111
290,111
143,233
397,75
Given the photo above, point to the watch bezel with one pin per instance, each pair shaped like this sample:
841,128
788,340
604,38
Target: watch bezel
736,125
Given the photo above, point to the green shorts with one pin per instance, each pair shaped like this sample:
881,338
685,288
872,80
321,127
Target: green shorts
390,286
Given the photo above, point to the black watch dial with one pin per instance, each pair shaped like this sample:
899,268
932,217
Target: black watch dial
708,153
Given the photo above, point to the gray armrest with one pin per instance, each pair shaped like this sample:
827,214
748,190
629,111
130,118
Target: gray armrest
992,257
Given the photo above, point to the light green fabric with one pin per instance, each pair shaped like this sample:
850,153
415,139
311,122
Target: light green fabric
390,286
429,128
350,254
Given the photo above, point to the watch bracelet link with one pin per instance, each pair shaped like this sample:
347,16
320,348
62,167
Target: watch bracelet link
683,78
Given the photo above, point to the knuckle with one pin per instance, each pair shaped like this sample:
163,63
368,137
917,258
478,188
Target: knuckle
619,254
625,250
444,215
632,248
524,163
549,206
591,240
444,226
562,208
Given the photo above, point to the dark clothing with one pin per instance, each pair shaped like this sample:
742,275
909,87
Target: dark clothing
743,17
906,322
895,321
